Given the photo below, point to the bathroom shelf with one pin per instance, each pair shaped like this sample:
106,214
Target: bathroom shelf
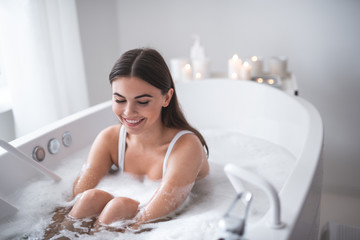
288,84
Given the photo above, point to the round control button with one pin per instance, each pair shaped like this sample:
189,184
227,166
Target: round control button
38,153
67,139
53,146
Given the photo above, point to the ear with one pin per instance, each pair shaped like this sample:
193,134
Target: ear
168,97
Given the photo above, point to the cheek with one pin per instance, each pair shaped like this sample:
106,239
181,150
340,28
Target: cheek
146,112
150,112
116,108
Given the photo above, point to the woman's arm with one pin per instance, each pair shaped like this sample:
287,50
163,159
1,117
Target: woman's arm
99,161
184,164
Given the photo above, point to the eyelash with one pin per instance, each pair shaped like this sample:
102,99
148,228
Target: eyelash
123,101
143,103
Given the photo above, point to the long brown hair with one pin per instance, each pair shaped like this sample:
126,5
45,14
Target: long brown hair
148,65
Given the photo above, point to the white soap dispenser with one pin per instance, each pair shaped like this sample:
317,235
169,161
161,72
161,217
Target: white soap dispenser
199,63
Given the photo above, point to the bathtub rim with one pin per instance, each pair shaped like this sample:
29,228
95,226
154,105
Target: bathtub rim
294,214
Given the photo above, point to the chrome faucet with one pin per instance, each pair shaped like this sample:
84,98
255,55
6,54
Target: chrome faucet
231,227
20,155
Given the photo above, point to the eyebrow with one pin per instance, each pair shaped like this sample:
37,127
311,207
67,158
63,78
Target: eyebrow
137,97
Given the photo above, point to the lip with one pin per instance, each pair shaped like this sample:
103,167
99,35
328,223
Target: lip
133,122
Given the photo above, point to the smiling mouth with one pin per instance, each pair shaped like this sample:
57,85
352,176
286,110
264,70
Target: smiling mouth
133,122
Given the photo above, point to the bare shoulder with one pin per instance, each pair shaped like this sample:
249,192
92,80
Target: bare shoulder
107,137
188,158
110,133
105,144
189,142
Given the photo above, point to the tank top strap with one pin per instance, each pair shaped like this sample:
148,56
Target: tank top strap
171,145
122,147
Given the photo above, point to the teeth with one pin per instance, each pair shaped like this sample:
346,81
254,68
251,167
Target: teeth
133,121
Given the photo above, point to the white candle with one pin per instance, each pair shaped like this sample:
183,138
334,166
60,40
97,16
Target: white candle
200,69
245,73
186,72
234,67
278,66
256,66
177,67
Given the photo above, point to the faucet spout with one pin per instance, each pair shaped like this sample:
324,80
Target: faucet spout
232,227
20,155
235,173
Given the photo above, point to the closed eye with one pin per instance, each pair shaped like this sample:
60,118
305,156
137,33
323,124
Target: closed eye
116,95
120,101
143,103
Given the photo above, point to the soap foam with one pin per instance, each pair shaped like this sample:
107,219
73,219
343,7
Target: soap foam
207,203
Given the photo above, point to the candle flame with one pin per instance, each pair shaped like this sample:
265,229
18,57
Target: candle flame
271,81
235,57
254,58
198,75
187,67
260,80
246,64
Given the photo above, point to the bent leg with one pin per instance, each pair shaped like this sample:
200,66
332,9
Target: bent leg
120,208
91,203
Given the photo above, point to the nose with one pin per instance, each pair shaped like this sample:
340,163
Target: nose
129,109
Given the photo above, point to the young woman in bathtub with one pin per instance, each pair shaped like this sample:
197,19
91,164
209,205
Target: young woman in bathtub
150,141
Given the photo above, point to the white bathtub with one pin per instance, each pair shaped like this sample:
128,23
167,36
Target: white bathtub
250,108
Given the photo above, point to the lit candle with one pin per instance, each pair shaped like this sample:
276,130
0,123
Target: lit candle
270,81
234,67
200,69
198,75
245,73
234,75
278,66
186,72
177,68
256,66
260,80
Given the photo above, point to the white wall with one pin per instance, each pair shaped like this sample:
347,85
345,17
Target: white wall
99,30
320,38
7,128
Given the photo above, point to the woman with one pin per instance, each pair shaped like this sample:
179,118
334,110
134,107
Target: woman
153,139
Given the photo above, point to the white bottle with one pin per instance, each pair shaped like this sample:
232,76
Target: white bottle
199,63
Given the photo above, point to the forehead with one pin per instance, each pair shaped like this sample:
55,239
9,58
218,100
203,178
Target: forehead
133,86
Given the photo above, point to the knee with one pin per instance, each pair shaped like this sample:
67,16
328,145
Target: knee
95,195
120,208
91,202
125,204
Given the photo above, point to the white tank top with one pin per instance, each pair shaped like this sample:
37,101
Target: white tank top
122,148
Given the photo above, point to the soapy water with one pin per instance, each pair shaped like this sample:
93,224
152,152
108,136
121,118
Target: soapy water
207,203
